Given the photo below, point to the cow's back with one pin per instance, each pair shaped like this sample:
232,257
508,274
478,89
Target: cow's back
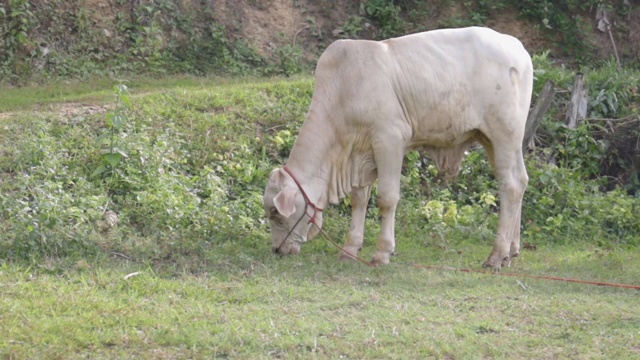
442,83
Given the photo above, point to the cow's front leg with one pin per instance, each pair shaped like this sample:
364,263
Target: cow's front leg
359,201
389,162
387,242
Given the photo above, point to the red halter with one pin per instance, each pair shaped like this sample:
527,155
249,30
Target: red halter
308,201
312,219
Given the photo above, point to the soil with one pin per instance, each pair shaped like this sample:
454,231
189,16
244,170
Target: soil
314,24
509,23
267,25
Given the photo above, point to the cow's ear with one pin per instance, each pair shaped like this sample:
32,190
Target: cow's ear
285,201
276,178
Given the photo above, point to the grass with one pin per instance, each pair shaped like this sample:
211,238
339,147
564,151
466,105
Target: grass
91,91
251,304
187,271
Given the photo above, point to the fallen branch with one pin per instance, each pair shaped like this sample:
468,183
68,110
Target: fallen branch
633,117
298,32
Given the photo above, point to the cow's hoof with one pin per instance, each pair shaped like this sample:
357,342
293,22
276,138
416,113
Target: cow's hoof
380,259
506,262
500,259
495,263
494,267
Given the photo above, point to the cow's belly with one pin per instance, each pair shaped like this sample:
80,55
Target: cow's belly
447,119
446,138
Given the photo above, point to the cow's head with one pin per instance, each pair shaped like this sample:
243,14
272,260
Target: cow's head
288,213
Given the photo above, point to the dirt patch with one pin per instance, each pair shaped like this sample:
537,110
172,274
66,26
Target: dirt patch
72,110
634,34
507,22
105,14
66,111
627,37
267,25
264,25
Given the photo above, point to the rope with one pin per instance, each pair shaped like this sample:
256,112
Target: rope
355,257
542,277
312,219
431,267
316,209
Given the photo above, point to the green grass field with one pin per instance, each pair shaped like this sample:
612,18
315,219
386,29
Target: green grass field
92,91
251,304
187,273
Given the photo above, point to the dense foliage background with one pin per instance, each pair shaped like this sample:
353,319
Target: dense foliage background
41,40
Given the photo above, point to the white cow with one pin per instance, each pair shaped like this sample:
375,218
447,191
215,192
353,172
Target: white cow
440,91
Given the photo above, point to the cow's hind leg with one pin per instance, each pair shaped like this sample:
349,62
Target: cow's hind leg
510,171
359,201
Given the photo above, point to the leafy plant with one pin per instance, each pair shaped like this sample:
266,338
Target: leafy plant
562,207
353,27
386,15
576,149
284,141
289,60
604,105
480,10
563,23
111,142
16,46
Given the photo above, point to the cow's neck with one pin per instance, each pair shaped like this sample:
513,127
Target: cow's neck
310,159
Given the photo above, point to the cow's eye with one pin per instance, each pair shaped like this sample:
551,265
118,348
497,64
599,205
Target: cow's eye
275,216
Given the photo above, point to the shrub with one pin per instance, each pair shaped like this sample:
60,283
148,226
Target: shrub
386,15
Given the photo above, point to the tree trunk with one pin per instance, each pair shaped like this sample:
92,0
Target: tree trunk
537,113
578,106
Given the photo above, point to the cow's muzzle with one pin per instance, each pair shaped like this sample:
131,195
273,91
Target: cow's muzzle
287,248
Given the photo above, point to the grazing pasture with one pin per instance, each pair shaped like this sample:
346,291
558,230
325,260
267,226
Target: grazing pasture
131,226
251,304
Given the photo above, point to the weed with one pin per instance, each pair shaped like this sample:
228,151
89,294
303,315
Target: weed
386,15
289,60
353,27
112,142
16,48
564,23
